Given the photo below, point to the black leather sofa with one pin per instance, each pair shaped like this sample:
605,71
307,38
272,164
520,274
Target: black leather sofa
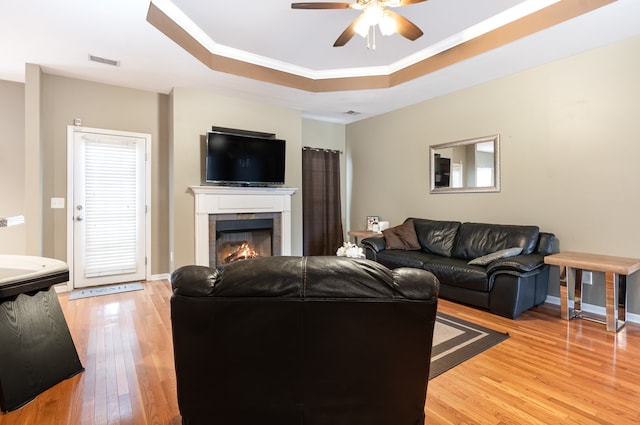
506,286
302,340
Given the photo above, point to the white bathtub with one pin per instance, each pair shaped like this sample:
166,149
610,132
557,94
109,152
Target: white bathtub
14,268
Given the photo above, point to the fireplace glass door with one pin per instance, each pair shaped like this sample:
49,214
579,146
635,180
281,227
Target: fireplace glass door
243,239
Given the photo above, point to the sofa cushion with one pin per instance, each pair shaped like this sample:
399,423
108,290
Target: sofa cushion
436,237
456,272
503,253
520,264
402,237
393,258
477,239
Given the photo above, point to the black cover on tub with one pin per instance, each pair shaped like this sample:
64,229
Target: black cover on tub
36,349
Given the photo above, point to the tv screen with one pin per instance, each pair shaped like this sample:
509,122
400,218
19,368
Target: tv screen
244,160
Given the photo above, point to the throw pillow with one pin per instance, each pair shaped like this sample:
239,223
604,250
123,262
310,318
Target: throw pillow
503,253
401,237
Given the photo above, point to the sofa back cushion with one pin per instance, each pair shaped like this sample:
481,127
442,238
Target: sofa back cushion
436,237
477,239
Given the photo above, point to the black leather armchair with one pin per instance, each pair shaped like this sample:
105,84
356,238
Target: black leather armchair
302,340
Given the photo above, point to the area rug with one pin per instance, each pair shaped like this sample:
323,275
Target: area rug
104,290
456,340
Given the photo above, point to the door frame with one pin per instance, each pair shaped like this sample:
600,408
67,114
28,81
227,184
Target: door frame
71,130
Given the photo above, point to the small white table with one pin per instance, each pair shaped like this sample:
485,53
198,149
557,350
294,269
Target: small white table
616,270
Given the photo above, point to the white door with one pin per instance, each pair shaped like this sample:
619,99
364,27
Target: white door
107,206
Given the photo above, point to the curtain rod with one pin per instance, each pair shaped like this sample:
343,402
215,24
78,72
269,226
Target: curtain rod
305,148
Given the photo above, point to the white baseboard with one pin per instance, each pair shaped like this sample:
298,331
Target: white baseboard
594,309
61,288
162,276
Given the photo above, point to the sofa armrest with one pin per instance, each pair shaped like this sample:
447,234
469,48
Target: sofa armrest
376,243
372,246
546,243
519,263
416,284
194,281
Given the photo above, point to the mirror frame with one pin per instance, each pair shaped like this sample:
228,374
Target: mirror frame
496,161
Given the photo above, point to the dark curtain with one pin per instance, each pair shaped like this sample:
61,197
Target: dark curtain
321,216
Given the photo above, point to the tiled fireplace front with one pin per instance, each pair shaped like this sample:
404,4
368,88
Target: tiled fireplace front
234,223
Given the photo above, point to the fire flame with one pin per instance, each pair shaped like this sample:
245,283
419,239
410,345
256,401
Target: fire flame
244,252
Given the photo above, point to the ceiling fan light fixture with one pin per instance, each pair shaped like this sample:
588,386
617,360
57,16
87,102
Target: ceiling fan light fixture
373,13
387,25
362,27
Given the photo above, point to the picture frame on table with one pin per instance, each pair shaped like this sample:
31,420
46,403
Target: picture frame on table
372,223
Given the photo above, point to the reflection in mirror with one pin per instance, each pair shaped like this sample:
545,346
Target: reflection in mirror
471,165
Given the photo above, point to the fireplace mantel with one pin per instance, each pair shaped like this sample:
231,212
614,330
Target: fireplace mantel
239,200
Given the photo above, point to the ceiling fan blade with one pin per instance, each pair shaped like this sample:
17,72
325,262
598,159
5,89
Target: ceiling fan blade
321,5
405,27
408,2
348,33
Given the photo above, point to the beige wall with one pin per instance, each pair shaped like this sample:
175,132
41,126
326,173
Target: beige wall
569,146
33,160
194,112
569,134
184,115
108,107
12,239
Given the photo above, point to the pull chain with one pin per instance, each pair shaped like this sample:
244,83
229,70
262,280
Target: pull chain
373,30
371,35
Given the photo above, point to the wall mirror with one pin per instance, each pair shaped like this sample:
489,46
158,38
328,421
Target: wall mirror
471,165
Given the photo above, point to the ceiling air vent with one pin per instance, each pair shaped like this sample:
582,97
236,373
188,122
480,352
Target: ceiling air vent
104,60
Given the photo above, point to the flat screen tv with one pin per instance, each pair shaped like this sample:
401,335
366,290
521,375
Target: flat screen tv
244,160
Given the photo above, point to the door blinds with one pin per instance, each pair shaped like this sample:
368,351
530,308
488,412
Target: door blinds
111,188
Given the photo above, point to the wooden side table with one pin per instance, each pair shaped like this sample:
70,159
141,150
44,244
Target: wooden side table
616,270
362,234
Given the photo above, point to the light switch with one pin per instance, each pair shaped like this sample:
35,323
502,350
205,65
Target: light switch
57,202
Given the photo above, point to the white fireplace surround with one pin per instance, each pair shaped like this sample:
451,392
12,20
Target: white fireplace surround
239,200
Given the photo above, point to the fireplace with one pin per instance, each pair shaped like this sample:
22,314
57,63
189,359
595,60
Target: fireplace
236,237
242,239
218,204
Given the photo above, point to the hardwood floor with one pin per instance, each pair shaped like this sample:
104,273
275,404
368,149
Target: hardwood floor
548,372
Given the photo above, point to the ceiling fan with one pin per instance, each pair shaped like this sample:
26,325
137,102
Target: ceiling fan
374,12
